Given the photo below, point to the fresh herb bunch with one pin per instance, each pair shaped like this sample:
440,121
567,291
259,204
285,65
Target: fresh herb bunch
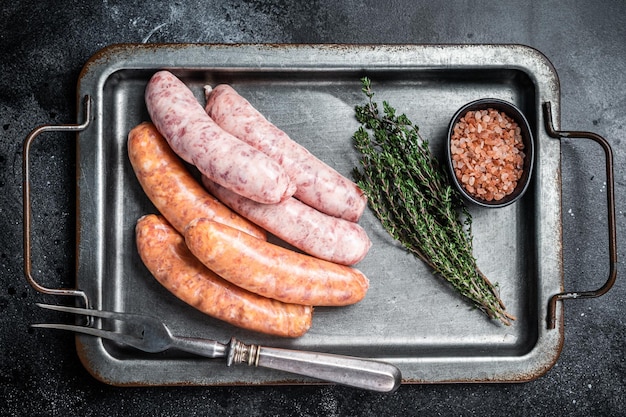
415,203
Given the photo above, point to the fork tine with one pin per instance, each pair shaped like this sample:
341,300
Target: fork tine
86,311
142,332
106,334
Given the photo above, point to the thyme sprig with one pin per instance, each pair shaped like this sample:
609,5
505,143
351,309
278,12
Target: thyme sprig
412,198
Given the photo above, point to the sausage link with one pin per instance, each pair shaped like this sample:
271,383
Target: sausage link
318,185
313,232
166,256
273,271
196,138
171,187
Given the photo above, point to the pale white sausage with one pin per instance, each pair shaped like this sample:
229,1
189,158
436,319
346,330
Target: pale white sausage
318,185
197,139
313,232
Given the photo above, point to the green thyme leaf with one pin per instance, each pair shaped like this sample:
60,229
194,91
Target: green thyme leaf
413,199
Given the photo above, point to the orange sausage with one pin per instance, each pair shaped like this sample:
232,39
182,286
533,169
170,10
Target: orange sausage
171,187
273,271
166,256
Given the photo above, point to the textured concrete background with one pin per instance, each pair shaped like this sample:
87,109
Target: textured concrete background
43,46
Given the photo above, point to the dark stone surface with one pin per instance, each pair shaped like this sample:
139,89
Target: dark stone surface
43,47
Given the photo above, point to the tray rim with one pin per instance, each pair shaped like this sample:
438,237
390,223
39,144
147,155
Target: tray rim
380,57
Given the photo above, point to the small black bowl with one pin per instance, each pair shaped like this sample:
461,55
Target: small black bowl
529,150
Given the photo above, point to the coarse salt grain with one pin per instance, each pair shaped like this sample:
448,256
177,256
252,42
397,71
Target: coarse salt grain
487,141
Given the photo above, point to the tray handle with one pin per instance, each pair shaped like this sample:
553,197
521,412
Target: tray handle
27,213
611,214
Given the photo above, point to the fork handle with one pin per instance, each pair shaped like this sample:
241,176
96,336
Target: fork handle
346,370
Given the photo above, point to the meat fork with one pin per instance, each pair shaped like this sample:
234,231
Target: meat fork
151,335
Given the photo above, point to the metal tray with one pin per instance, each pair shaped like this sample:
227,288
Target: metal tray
409,317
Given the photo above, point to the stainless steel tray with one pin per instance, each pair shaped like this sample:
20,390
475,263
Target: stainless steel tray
409,317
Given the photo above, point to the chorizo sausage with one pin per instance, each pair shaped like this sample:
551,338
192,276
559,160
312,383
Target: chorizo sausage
197,139
163,251
313,232
271,270
177,195
317,184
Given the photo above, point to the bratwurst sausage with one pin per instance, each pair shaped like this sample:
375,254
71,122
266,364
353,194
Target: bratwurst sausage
166,256
318,185
313,232
197,139
273,271
171,187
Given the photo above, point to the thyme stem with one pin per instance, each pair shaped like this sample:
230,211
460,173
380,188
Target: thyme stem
412,198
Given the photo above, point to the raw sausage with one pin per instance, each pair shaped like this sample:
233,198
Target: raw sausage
273,271
166,256
171,187
313,232
318,185
217,154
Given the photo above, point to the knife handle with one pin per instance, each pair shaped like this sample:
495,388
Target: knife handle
345,370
